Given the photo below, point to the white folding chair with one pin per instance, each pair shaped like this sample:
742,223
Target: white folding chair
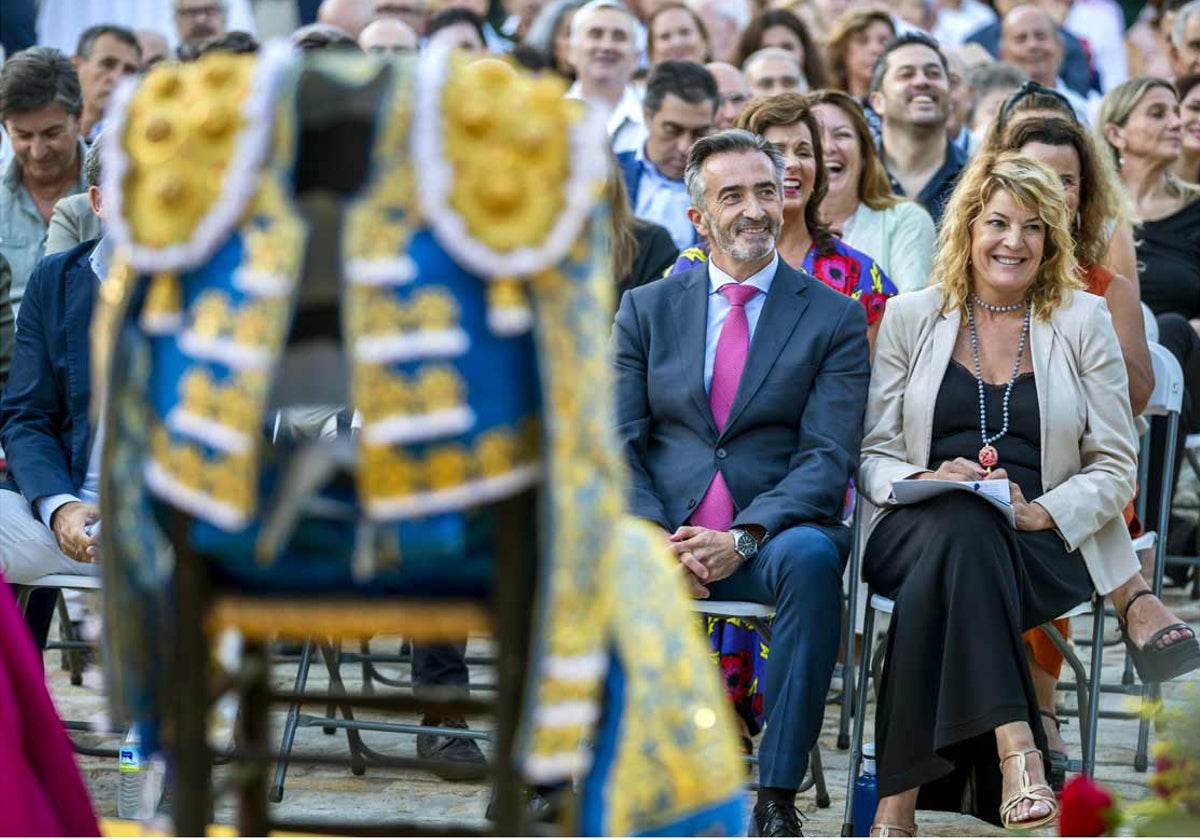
757,615
1165,401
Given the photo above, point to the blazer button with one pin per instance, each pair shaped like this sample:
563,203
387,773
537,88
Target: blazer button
720,453
691,503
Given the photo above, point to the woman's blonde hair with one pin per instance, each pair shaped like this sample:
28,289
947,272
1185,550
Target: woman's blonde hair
873,187
845,28
1035,188
1116,108
624,242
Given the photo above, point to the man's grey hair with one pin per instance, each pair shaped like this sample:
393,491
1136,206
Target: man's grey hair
731,140
1181,22
637,35
770,52
36,77
91,161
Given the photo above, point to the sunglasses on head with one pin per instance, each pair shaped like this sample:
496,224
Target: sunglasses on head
1032,88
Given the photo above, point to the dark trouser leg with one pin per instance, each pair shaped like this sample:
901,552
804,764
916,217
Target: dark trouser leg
39,613
800,571
439,665
955,667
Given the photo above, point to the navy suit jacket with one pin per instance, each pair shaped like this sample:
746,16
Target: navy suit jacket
793,435
44,423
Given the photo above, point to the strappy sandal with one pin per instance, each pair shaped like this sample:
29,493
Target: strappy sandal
1159,663
1059,762
886,829
1028,792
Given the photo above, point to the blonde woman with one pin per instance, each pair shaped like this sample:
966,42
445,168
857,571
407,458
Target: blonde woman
1004,365
898,233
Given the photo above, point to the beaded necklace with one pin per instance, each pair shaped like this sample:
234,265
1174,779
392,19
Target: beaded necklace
988,455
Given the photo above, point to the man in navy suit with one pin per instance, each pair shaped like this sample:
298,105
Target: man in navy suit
48,507
741,387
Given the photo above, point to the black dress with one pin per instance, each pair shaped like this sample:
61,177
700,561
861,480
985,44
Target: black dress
966,586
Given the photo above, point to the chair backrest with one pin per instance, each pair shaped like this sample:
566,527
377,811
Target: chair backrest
1151,324
1167,397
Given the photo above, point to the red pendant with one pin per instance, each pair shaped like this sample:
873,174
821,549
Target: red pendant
988,457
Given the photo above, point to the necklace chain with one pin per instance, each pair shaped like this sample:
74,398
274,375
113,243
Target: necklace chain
996,307
989,439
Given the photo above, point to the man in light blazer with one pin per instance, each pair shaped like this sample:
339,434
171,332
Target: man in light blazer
741,387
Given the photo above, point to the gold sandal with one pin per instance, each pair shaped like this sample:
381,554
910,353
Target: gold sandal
886,829
1028,792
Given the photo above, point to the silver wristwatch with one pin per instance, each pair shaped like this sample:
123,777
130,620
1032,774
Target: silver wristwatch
744,543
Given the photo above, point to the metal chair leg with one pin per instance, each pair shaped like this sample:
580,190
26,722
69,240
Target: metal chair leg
860,713
1093,715
358,764
289,729
66,631
817,769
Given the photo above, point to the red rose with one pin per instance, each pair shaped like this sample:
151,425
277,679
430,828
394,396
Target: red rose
1085,809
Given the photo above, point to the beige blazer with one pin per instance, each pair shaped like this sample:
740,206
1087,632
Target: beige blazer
1089,446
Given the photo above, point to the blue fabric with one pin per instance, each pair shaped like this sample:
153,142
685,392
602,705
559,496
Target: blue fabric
1075,68
800,571
44,424
631,171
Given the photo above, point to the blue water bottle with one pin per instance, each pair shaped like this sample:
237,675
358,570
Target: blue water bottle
866,794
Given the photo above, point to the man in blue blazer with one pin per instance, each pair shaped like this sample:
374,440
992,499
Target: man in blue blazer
741,387
48,506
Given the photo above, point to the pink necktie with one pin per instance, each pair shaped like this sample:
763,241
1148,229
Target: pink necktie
716,508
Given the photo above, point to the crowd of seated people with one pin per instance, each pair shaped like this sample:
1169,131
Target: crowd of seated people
851,243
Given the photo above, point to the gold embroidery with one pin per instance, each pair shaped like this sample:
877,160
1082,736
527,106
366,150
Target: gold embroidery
234,405
376,311
180,131
385,394
257,323
506,141
390,472
227,478
164,303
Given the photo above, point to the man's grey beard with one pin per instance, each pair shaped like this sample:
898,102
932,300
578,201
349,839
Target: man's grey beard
726,241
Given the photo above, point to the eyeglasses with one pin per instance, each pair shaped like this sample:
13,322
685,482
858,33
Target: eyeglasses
1032,88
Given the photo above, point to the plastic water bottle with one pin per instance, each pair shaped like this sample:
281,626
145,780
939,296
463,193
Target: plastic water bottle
141,780
866,794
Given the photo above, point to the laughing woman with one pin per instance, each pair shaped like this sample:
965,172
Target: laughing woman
860,203
962,382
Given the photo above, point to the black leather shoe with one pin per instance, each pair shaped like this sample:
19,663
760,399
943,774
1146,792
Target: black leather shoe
774,819
542,805
470,765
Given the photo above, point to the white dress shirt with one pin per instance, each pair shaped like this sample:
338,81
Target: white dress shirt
664,201
718,308
625,123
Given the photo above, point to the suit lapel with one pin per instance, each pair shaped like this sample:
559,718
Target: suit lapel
1041,346
79,294
689,308
785,303
941,349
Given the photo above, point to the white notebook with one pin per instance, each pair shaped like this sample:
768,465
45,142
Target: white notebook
909,491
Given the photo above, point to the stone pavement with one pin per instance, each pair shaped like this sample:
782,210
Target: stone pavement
385,794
